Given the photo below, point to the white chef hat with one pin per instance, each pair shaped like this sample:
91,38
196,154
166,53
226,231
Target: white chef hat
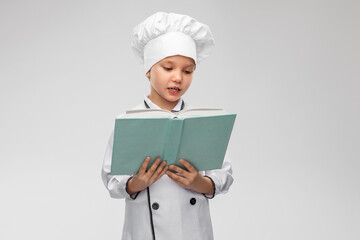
167,34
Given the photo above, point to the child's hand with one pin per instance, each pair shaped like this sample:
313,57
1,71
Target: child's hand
190,179
145,178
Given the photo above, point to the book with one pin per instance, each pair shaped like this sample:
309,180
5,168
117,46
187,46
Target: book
200,136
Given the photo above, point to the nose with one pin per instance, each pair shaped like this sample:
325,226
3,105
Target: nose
177,76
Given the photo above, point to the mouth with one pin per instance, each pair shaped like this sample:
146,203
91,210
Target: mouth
174,90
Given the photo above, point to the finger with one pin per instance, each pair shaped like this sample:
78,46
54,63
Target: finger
176,178
188,166
179,170
158,171
162,173
153,167
144,165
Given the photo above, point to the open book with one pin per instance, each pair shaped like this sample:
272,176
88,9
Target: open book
200,136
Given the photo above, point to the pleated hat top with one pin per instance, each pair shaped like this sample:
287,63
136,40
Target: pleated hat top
167,34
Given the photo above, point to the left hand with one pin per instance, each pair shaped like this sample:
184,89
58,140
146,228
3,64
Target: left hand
190,178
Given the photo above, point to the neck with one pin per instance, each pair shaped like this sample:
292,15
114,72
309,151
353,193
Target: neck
162,103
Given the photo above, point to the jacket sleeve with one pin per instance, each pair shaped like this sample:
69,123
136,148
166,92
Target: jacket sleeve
221,178
116,184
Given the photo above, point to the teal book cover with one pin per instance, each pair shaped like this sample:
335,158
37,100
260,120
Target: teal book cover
201,140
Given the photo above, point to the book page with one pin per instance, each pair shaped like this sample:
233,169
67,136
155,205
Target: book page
197,112
148,113
161,113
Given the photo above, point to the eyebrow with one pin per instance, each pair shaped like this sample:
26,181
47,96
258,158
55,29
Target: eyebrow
189,65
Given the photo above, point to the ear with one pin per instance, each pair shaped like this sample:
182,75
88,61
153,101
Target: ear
148,75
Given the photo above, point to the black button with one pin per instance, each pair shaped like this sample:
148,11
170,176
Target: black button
192,201
155,206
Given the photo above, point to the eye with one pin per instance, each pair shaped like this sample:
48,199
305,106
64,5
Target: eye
167,68
188,72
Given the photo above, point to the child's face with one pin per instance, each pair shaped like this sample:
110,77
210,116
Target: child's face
170,78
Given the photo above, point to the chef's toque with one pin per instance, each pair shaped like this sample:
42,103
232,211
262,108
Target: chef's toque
167,34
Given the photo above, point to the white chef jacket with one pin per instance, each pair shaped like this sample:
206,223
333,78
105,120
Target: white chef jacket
165,210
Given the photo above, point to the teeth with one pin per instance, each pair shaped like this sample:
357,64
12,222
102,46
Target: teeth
174,89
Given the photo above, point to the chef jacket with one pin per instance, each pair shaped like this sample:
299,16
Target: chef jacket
165,210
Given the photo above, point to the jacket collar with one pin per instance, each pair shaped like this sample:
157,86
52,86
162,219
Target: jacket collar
149,104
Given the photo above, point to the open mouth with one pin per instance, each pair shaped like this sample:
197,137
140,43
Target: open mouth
174,90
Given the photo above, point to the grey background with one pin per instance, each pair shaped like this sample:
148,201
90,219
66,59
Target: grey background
289,69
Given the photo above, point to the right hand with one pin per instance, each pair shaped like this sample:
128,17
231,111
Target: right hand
144,178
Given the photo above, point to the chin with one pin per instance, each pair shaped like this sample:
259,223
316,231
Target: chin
173,99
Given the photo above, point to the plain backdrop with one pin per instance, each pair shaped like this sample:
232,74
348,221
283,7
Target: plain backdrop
289,69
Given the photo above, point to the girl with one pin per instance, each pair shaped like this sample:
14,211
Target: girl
159,203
